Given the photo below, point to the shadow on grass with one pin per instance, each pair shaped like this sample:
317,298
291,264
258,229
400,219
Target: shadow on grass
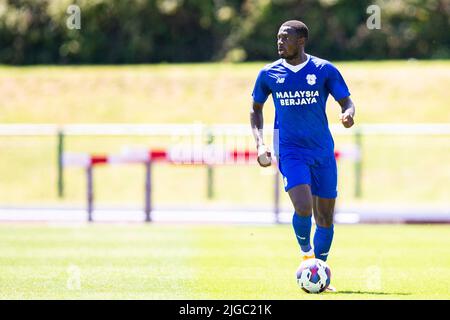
373,293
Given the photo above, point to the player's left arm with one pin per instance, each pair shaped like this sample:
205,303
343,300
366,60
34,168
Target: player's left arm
348,111
338,88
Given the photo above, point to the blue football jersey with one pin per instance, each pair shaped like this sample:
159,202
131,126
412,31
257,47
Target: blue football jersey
300,94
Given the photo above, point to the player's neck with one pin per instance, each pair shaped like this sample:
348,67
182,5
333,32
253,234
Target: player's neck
302,57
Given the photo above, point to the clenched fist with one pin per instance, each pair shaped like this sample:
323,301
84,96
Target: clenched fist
264,156
347,119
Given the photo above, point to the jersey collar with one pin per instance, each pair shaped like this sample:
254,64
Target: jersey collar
298,67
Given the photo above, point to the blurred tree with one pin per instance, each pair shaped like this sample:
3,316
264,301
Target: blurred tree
139,31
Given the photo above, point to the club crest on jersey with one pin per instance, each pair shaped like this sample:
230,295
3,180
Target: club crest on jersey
311,79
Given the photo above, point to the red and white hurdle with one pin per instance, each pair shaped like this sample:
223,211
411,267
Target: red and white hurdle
181,155
177,155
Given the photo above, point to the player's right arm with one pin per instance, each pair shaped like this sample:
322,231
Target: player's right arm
257,123
260,93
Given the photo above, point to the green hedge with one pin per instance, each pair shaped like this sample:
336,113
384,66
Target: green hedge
140,31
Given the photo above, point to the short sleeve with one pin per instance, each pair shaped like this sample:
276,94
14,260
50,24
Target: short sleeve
336,84
261,91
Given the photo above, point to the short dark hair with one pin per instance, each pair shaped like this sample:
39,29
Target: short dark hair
300,28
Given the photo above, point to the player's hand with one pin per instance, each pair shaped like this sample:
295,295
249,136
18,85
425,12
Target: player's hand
347,119
264,156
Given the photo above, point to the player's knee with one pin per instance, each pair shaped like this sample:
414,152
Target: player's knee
303,208
324,221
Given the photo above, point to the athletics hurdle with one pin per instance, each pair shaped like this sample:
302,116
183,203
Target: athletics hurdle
211,155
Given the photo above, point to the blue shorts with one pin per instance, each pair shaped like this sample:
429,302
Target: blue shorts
321,174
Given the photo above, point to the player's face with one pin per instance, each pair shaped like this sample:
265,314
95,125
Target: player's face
287,43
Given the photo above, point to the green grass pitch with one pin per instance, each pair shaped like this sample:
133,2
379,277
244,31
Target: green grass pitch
191,261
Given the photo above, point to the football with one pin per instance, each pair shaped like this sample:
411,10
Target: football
313,276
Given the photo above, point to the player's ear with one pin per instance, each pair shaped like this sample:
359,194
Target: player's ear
302,41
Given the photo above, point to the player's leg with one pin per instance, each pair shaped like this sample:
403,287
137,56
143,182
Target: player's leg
297,180
323,209
301,198
324,190
323,215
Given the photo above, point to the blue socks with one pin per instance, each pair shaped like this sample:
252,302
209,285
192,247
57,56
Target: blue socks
322,241
302,228
322,237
